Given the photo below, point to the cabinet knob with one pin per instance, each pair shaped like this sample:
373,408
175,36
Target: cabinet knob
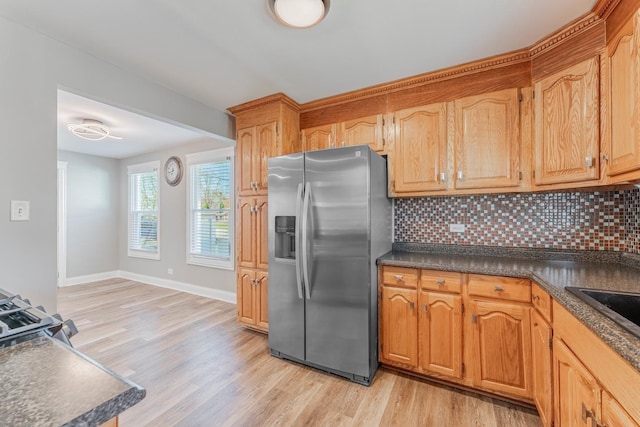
588,162
398,277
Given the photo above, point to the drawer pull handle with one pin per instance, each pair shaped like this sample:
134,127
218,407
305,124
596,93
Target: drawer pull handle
498,288
398,277
536,298
440,282
411,305
425,308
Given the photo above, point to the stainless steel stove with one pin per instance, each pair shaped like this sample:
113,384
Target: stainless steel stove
19,321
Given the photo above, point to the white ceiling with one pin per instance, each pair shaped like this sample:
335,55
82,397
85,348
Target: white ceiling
140,134
223,53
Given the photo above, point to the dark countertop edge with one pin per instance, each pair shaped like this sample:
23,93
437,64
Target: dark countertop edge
111,407
627,345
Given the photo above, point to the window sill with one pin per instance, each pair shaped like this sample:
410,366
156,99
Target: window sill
145,255
204,262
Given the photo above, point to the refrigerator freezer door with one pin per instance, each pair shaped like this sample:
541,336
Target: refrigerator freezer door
286,303
337,308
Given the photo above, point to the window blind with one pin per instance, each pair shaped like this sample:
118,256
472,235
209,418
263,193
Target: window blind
143,211
210,210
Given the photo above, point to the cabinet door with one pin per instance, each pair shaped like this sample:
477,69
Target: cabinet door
366,130
487,140
246,231
246,297
266,146
567,125
262,299
246,161
501,347
542,362
319,137
440,325
625,101
575,390
261,218
420,150
399,326
613,415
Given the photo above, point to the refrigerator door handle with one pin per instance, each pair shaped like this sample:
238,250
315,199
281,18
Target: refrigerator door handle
297,241
305,241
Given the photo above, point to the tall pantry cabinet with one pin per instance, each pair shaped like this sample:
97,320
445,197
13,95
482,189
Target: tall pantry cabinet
266,127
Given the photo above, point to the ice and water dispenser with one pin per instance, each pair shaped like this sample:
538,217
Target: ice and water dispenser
285,237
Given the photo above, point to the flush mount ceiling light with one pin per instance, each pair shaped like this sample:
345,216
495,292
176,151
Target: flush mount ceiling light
300,13
93,130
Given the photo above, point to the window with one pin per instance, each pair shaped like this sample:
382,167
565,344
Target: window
209,205
144,218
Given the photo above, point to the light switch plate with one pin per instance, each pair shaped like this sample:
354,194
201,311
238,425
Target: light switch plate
457,228
19,210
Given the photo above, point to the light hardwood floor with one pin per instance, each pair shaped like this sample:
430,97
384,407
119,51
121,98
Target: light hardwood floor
200,368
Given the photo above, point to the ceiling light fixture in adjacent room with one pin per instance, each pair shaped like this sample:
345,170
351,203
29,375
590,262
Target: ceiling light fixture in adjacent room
300,13
91,129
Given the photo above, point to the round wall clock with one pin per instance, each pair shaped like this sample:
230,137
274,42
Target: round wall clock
173,170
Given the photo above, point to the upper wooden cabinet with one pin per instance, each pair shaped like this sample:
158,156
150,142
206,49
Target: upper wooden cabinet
365,130
255,145
624,72
567,125
487,140
319,137
420,149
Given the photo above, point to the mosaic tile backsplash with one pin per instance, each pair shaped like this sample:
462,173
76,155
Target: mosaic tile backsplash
606,221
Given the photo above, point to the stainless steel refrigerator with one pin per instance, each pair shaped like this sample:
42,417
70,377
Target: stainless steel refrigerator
329,220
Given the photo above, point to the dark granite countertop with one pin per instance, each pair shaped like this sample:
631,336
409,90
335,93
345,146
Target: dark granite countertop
553,270
47,383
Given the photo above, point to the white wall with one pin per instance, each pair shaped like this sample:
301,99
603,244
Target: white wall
33,68
93,202
173,233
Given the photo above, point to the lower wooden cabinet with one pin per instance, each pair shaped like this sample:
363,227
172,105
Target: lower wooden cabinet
501,346
593,385
423,329
400,324
542,377
440,333
613,414
253,291
576,391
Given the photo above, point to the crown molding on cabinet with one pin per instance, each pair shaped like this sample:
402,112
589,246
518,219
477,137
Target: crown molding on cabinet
271,99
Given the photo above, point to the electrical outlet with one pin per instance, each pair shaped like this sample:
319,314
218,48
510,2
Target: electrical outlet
19,210
170,271
457,228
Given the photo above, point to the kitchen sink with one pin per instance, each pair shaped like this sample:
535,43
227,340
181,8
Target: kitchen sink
621,307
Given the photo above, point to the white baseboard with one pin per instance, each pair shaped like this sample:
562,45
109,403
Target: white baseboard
217,294
78,280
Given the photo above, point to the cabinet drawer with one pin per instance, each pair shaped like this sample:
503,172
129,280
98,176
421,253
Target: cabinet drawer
442,281
504,288
399,276
541,301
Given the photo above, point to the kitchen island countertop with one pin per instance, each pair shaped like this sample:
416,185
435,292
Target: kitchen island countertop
553,271
47,383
